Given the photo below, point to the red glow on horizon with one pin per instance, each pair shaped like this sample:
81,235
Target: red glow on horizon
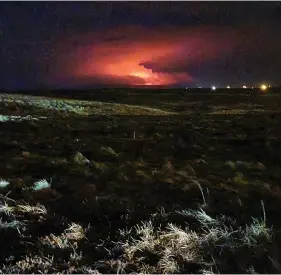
123,55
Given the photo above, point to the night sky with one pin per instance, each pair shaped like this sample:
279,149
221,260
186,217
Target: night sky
90,44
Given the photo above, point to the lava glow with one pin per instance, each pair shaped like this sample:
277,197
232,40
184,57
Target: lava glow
137,55
147,77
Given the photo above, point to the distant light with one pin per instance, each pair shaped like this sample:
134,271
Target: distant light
199,87
186,88
244,87
263,87
214,88
228,87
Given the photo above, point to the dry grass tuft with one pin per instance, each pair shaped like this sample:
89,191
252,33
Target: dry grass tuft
68,239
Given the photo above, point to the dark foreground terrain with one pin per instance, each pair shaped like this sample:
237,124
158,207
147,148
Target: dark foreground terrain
157,182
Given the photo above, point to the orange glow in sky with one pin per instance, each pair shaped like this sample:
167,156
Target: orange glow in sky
143,75
138,56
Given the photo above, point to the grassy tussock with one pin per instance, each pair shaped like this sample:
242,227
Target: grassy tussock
181,250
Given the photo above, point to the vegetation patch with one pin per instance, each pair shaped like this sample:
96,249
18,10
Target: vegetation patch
153,183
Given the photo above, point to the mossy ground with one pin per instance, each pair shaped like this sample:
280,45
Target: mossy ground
121,173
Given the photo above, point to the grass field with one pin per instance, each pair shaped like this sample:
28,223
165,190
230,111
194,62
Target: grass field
141,181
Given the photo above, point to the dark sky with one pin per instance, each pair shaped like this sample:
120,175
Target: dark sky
83,44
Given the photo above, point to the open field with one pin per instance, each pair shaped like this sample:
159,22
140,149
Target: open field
141,181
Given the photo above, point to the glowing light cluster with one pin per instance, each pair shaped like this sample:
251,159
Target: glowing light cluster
263,87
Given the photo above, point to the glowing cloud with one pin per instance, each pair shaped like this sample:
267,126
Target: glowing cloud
138,55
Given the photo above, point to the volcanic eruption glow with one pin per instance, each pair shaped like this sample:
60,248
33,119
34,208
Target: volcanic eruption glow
135,56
